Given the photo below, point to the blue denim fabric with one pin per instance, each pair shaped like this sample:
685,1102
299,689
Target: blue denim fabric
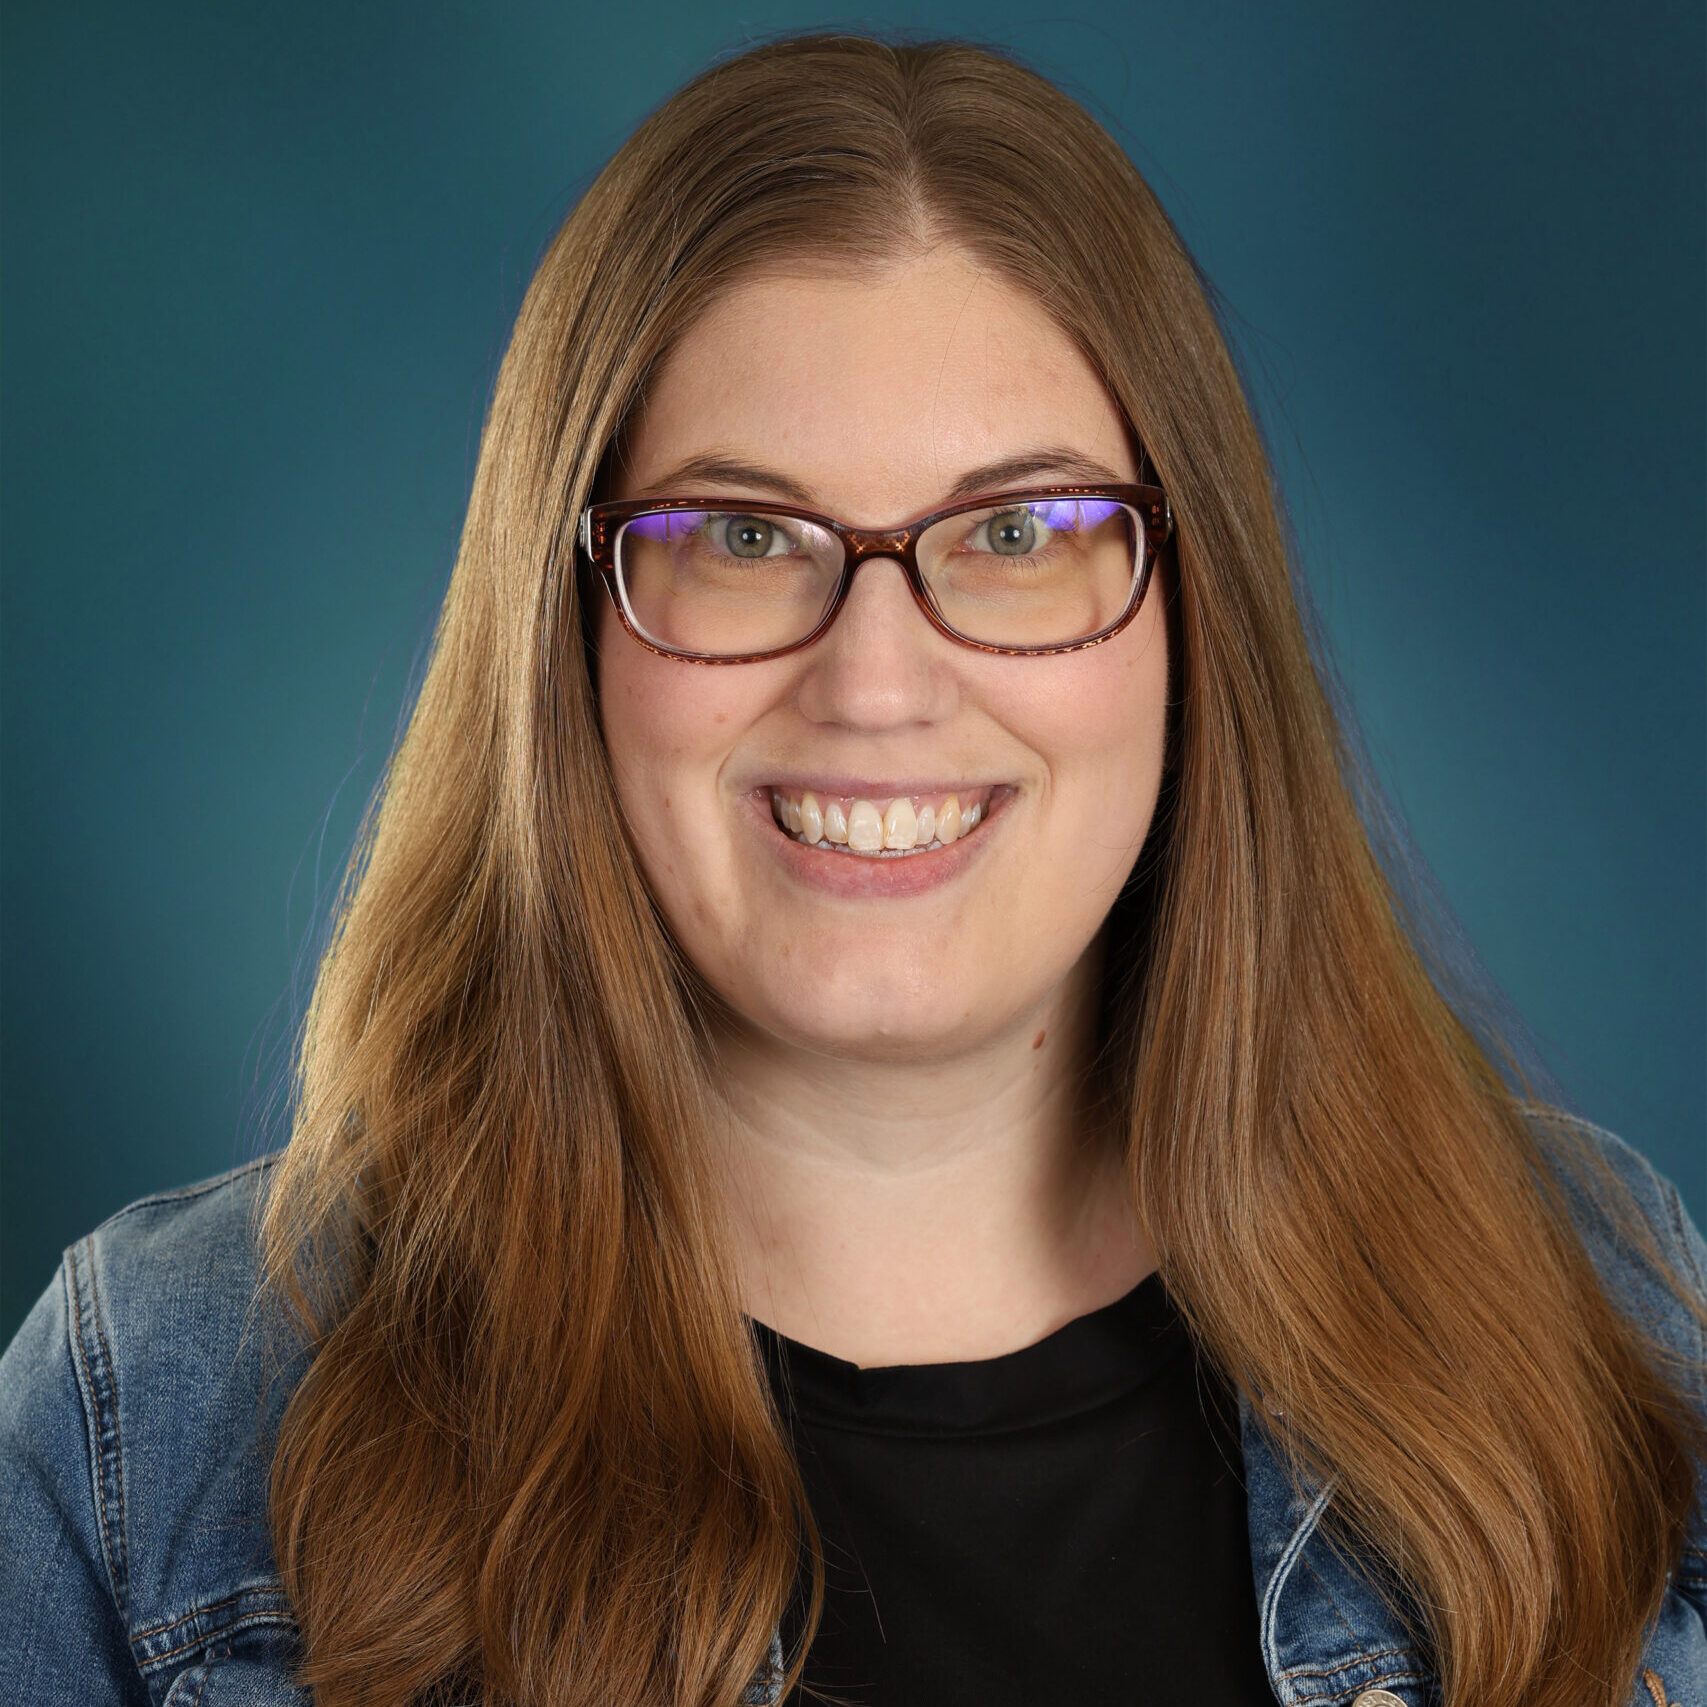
139,1401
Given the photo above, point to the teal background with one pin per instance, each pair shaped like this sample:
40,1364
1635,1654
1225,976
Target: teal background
258,268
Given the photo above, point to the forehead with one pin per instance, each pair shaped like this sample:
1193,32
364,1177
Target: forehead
874,392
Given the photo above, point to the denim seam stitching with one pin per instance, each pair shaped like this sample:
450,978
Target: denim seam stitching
1353,1690
248,1621
202,1188
172,1624
1675,1204
1334,1671
98,1490
1680,1237
1282,1573
118,1437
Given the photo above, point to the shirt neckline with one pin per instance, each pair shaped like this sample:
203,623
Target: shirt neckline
1089,1362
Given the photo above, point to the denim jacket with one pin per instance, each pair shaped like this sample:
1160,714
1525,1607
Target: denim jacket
139,1401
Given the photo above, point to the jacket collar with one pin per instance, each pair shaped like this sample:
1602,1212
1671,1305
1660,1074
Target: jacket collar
1328,1634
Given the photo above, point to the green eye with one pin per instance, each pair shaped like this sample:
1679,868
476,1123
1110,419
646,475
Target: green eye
1013,533
748,536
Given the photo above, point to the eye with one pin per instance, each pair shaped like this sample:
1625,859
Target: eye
1012,533
749,536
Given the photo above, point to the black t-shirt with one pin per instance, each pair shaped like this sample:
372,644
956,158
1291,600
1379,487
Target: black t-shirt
1064,1523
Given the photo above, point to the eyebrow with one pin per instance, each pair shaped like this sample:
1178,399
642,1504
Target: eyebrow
714,468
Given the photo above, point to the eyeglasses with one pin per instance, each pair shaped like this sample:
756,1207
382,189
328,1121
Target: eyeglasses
717,581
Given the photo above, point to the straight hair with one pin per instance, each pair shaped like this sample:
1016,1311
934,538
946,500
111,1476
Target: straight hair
533,1458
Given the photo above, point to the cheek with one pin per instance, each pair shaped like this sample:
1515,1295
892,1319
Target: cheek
1100,723
658,717
664,765
669,729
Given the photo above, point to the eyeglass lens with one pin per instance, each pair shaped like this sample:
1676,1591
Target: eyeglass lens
726,583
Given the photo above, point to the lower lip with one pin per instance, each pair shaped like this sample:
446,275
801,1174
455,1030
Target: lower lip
862,876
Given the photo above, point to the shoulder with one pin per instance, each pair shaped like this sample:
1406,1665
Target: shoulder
138,1408
1636,1232
1327,1628
167,1320
190,1253
1652,1264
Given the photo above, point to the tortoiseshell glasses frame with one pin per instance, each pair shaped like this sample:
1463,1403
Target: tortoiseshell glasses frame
601,526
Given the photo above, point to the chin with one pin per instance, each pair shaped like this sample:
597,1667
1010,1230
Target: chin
887,1045
891,1019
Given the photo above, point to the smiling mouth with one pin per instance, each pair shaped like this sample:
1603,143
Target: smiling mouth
891,828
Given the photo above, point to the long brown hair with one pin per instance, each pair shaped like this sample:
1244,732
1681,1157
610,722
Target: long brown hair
533,1457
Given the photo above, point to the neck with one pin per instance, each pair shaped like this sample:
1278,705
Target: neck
903,1211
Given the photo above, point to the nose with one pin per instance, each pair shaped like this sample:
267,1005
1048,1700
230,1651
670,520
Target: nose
880,665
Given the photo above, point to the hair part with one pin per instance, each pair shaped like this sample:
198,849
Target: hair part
534,1456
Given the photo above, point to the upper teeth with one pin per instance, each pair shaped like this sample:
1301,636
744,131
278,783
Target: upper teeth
865,827
906,824
900,824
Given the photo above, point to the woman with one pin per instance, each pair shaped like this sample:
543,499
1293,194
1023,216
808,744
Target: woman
869,1123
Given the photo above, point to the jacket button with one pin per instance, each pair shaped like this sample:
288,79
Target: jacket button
1377,1698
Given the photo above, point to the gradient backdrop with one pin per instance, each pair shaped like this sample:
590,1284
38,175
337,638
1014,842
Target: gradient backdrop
259,266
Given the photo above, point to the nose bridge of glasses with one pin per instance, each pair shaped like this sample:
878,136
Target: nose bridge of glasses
863,544
878,545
